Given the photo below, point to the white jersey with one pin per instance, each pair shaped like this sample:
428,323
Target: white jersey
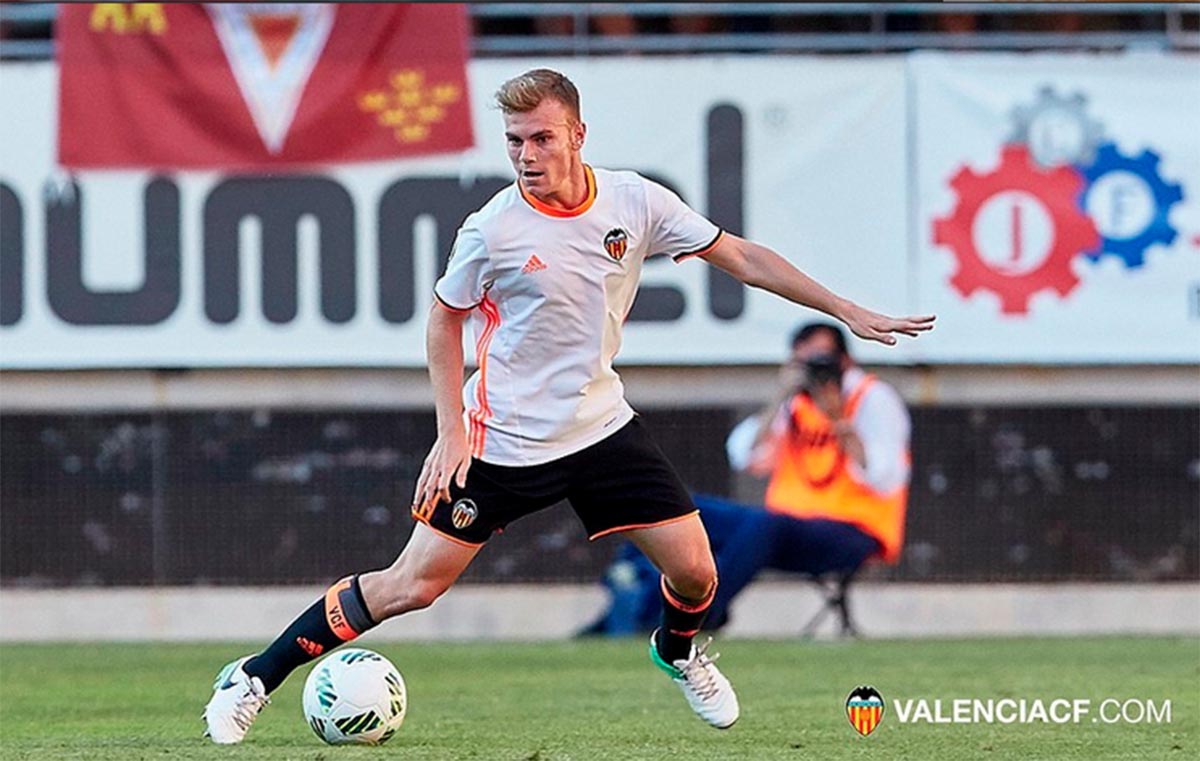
548,290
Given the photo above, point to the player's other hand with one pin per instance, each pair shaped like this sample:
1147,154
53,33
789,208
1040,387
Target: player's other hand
450,458
879,327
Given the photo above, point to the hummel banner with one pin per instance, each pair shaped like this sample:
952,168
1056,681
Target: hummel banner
245,85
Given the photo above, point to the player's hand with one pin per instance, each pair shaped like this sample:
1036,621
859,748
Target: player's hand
450,458
879,327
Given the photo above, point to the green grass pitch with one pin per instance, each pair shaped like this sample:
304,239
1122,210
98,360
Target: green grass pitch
603,700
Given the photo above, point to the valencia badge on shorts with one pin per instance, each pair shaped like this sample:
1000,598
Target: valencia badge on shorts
464,513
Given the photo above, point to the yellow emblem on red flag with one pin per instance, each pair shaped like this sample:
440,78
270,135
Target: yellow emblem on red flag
411,106
267,84
125,18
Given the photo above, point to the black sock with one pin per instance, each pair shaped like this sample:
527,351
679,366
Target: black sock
340,616
681,620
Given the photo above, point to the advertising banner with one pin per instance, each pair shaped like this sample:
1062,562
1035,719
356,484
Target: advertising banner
1043,206
336,267
1057,206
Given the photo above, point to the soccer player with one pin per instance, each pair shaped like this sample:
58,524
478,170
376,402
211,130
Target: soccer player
547,271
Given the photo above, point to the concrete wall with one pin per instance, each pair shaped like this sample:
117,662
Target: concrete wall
534,612
98,390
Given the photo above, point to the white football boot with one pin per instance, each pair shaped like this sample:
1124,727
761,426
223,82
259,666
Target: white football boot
707,690
237,699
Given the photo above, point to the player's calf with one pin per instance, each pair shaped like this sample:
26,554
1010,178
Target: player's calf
338,617
682,618
241,689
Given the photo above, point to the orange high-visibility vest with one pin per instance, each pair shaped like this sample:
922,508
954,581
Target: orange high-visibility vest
811,478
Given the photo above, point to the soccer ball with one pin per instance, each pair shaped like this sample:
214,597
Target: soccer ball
355,697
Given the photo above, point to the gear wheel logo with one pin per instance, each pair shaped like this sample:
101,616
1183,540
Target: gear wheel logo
1027,196
1057,129
1130,202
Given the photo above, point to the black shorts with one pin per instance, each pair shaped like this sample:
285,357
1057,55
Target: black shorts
622,482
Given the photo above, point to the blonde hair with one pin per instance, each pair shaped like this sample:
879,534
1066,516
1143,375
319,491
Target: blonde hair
523,93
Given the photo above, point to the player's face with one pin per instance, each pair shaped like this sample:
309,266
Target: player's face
543,146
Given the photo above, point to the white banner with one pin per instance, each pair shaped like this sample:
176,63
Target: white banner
1057,207
1092,258
198,269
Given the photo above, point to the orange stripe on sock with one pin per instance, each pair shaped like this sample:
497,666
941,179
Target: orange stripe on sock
676,602
334,615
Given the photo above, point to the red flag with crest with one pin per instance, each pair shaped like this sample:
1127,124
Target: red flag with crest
260,85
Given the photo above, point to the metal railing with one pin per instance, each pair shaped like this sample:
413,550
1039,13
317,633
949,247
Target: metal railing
505,29
865,27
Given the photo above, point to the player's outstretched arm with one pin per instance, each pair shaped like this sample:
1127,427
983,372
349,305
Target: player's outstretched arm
450,457
758,266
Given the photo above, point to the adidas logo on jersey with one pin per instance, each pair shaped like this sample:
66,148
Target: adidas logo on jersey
533,265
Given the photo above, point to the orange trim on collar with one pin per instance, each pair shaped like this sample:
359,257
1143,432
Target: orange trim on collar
554,211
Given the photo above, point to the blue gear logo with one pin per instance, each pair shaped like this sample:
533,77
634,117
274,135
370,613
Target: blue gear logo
1130,203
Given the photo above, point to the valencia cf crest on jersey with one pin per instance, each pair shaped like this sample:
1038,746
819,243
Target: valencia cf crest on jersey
615,243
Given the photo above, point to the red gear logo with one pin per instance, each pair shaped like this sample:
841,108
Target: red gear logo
1057,190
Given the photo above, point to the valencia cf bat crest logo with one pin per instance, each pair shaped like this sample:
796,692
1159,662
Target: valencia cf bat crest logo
615,243
864,709
464,513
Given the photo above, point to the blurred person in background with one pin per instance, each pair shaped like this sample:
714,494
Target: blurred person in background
834,444
956,23
613,24
546,271
835,447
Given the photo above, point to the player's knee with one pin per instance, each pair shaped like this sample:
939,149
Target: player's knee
422,594
696,579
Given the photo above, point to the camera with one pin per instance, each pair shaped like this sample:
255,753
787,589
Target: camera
822,369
